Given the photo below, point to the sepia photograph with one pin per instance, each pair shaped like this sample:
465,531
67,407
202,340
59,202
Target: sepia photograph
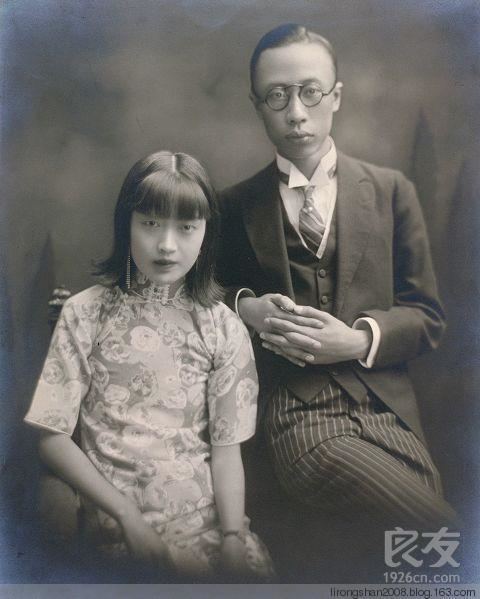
240,298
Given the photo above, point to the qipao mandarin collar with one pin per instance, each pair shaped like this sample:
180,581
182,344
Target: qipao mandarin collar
174,294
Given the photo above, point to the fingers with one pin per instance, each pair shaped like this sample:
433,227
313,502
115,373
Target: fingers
283,346
296,324
309,312
292,342
303,342
313,323
276,350
164,560
283,302
146,547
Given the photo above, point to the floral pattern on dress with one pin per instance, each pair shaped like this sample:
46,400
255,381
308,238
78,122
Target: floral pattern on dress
53,372
113,351
154,385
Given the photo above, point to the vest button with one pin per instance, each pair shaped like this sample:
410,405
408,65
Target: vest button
322,273
324,299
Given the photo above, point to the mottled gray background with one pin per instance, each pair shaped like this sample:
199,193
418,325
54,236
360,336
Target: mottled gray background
90,86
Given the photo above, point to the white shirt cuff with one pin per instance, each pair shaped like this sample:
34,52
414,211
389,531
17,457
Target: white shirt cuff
244,291
376,335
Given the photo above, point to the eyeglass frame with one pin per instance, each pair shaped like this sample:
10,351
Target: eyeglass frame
301,86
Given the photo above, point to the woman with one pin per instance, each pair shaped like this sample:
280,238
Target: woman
161,377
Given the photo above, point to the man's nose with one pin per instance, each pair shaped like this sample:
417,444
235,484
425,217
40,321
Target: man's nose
166,243
296,111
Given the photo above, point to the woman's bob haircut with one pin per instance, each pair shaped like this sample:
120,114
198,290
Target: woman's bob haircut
167,185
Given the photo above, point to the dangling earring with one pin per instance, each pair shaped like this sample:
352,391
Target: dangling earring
127,274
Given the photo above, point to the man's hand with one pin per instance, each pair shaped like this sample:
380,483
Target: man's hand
254,310
315,337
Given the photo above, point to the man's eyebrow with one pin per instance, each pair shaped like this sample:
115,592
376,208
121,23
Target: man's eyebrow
297,82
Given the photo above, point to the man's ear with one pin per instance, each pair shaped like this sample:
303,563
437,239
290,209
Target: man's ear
256,104
337,96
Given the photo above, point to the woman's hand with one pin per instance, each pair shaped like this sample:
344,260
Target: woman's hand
233,558
144,544
67,460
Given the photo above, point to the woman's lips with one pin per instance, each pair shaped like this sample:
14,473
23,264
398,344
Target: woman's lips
164,263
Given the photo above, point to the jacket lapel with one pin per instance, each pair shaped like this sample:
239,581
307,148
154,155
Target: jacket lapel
355,202
264,225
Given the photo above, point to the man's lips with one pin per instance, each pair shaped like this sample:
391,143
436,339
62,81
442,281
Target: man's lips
298,135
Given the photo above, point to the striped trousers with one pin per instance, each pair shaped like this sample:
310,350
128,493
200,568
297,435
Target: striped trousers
354,458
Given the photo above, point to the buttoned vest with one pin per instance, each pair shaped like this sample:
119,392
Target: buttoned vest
313,282
313,279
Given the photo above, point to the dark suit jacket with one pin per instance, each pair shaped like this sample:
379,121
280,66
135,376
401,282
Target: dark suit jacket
384,271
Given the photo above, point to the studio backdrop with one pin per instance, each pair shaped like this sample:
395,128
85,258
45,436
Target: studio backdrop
90,87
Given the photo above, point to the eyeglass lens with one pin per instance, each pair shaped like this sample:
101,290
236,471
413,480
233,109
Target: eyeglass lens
278,97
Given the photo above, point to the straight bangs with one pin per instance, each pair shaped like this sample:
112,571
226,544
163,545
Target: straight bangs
171,195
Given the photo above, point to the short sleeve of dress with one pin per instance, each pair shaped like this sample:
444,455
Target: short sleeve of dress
233,384
65,378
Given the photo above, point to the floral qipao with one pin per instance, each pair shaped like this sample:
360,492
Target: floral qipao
154,382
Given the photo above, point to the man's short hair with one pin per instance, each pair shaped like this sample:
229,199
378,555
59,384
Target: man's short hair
285,35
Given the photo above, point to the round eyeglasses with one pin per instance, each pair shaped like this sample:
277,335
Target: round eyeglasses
310,94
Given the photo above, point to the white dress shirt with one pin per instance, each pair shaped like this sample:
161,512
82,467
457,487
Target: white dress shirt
324,181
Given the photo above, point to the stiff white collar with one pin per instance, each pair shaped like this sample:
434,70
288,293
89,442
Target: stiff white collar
322,175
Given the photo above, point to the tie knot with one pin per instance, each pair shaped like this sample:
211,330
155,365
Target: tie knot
308,191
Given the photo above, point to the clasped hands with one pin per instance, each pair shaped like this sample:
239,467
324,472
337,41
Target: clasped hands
302,334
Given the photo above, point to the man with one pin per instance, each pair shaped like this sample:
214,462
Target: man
326,258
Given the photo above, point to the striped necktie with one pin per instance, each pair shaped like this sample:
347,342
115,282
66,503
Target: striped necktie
310,223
